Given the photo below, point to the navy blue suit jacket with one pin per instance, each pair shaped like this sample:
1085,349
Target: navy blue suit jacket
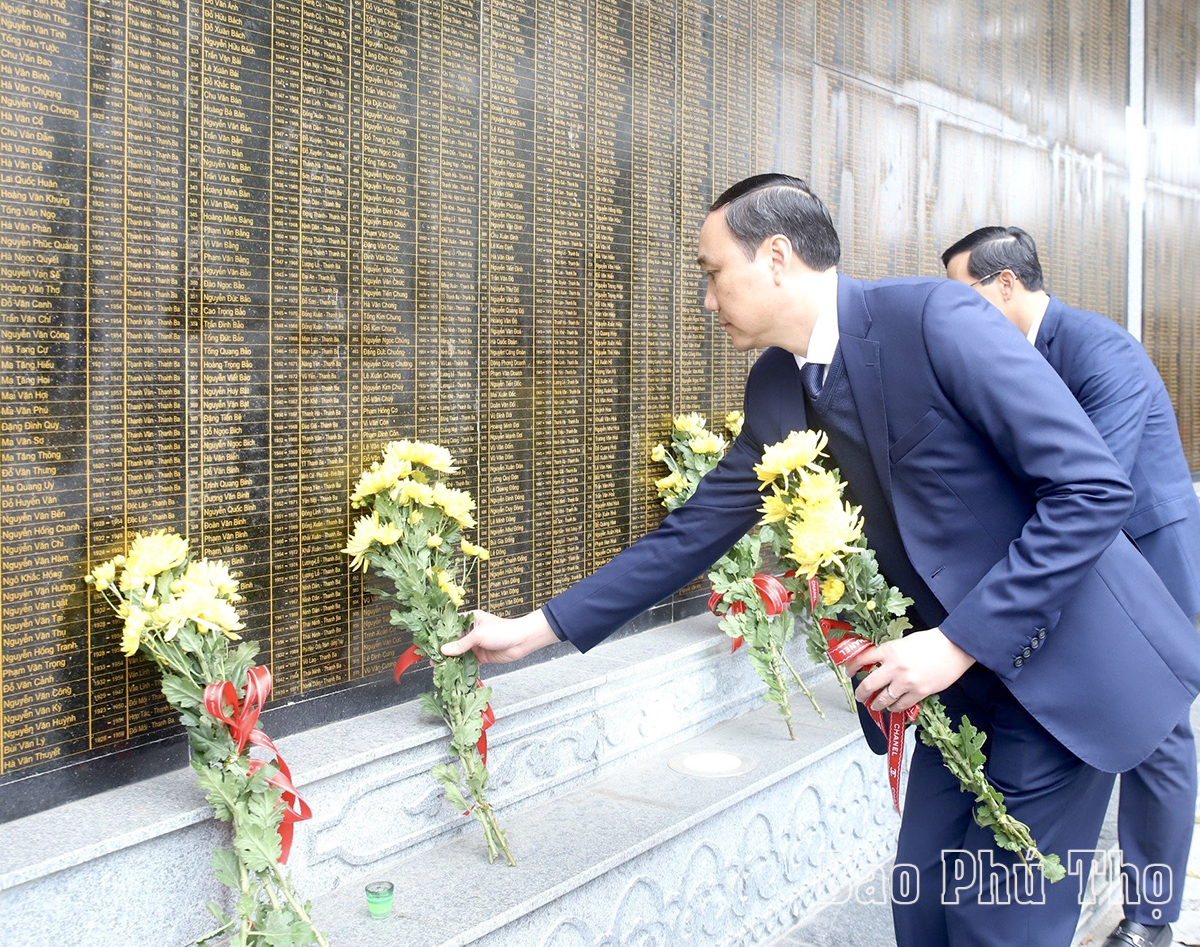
1008,501
1112,377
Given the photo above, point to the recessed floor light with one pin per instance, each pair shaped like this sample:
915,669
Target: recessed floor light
711,764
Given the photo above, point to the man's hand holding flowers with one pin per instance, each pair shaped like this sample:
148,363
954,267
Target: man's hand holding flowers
909,669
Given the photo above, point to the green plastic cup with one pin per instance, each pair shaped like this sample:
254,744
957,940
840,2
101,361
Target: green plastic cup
379,898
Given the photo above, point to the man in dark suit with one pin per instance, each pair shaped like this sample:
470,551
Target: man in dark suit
1113,379
999,516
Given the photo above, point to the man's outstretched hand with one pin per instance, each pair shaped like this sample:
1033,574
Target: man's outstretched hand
496,640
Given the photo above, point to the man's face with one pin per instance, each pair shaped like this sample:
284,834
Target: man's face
741,293
956,269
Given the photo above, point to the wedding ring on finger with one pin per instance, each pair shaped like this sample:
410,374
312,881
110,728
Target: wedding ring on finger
887,689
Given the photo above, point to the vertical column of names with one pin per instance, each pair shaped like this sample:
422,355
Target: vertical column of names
609,362
229,379
284,426
567,310
694,328
460,238
448,231
44,708
325,437
386,208
795,65
155,254
770,83
734,159
656,221
109,673
507,285
545,407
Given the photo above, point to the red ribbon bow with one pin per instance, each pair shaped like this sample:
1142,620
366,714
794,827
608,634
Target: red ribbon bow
243,730
774,596
410,657
841,649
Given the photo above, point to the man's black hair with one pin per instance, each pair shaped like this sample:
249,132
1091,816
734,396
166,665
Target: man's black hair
767,204
993,249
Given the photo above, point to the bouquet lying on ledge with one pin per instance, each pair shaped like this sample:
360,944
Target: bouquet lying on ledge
181,614
752,604
413,535
852,607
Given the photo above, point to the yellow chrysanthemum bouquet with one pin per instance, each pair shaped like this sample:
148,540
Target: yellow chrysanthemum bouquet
413,535
837,588
182,614
751,603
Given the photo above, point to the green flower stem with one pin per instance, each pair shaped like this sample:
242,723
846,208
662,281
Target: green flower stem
785,706
847,686
471,762
244,878
812,698
1010,833
284,883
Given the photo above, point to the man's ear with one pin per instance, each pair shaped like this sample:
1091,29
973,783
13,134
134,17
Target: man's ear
1008,283
779,254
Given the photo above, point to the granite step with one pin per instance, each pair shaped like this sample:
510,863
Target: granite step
646,854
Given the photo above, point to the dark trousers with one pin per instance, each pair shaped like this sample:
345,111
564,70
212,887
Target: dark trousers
969,893
1157,812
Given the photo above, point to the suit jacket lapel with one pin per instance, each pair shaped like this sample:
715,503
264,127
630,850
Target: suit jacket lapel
861,357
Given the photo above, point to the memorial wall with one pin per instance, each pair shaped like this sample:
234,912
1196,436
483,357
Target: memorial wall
244,243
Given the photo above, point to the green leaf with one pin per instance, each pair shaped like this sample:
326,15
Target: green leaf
182,693
225,866
455,797
258,846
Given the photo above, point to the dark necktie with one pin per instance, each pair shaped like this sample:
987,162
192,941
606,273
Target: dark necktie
810,377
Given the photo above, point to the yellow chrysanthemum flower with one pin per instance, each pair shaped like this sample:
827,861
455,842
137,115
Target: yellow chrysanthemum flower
692,423
796,452
378,478
205,610
368,531
433,541
415,517
658,454
832,590
150,555
706,442
207,576
432,456
470,549
816,489
456,504
131,633
823,537
734,421
103,575
775,508
669,485
413,491
453,590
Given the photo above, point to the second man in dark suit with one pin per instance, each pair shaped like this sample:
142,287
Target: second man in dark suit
1113,379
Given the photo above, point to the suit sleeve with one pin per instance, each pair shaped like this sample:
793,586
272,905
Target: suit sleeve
1033,423
689,540
1106,377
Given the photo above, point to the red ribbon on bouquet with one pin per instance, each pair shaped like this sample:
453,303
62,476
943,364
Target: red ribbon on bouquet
410,657
243,730
841,649
774,596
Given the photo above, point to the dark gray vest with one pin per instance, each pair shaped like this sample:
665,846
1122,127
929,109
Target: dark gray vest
833,411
